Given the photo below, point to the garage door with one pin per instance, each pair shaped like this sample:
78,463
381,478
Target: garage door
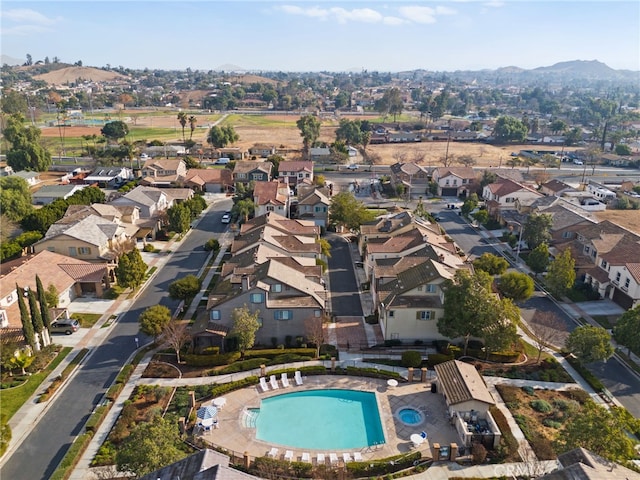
622,299
449,192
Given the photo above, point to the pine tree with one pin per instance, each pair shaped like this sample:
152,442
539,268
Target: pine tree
27,326
36,319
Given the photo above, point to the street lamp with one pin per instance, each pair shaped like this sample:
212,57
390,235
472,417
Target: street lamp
519,239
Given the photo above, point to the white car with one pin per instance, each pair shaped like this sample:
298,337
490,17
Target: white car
226,217
353,166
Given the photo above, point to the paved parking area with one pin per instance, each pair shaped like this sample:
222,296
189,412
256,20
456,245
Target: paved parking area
233,435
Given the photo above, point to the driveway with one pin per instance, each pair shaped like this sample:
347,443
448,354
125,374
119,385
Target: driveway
600,308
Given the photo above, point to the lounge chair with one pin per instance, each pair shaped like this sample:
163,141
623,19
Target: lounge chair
357,457
273,453
346,456
320,460
288,455
423,434
274,382
305,457
263,384
284,380
333,458
298,377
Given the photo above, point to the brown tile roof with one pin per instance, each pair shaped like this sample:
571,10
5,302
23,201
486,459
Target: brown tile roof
209,175
556,186
387,224
396,244
269,193
295,166
505,186
461,382
634,270
462,172
599,274
284,224
248,166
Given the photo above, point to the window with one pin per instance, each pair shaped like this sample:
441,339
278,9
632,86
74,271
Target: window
9,298
51,249
431,288
242,175
594,253
317,313
419,288
627,282
587,249
392,313
270,208
84,251
508,200
603,264
73,252
618,277
283,314
276,288
257,298
425,315
567,234
215,314
446,182
464,181
455,181
256,176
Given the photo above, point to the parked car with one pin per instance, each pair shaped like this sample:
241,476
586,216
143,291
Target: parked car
223,161
65,325
226,217
353,166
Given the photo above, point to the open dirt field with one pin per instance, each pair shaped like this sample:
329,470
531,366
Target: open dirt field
629,219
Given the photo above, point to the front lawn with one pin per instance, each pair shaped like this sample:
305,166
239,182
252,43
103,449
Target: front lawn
87,320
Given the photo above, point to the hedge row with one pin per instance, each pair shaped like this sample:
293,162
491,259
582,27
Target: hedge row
96,418
371,372
221,389
125,374
73,455
383,466
591,379
211,360
274,352
509,444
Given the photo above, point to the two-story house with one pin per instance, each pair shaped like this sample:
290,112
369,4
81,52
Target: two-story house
503,194
247,171
163,172
271,197
454,181
615,252
414,177
313,205
296,173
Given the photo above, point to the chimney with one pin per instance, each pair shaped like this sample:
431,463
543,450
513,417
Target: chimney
245,283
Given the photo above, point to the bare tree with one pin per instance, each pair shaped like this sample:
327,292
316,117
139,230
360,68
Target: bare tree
466,160
175,335
548,330
399,156
541,177
107,472
447,160
417,156
314,330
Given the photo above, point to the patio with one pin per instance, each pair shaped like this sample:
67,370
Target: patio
233,434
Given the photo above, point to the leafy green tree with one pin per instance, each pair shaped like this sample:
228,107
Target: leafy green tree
390,103
623,149
196,205
558,126
185,288
26,152
212,245
154,320
325,247
509,129
36,320
52,296
25,319
15,197
469,204
488,177
346,210
627,330
573,136
349,131
590,344
9,250
599,430
14,102
561,274
516,286
537,229
115,130
309,127
179,218
245,326
220,137
482,216
27,239
492,264
131,269
538,259
149,447
42,302
501,332
22,360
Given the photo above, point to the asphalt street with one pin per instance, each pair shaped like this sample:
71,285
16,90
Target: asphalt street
43,449
345,299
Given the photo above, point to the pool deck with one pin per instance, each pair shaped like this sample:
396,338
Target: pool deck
233,435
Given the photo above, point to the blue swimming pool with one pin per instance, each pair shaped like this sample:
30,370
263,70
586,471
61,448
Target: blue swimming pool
320,420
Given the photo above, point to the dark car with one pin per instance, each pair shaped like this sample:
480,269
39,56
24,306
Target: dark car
66,326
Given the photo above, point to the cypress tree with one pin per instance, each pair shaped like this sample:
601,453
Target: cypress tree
27,326
42,300
36,318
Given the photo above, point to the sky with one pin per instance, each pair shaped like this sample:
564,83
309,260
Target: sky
322,35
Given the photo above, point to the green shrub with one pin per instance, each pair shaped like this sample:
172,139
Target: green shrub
529,390
125,373
508,445
275,352
547,422
96,418
149,248
242,366
437,358
210,351
114,390
211,360
541,406
212,245
72,457
217,390
411,358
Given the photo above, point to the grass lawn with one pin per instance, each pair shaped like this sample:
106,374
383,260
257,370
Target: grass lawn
87,320
12,399
260,120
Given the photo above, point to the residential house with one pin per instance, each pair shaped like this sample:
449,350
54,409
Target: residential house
555,188
109,177
164,151
468,400
414,177
163,172
320,154
234,153
178,195
32,178
6,171
313,205
205,464
150,201
212,180
410,303
91,238
262,150
247,171
609,257
385,227
454,181
392,247
503,194
296,173
271,197
71,278
49,193
284,296
582,464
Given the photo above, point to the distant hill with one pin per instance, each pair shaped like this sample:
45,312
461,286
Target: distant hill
7,60
588,68
75,74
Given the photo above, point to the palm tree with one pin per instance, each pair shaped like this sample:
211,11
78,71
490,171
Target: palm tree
192,123
62,119
182,118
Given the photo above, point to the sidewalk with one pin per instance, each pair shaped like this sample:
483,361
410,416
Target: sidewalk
22,422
